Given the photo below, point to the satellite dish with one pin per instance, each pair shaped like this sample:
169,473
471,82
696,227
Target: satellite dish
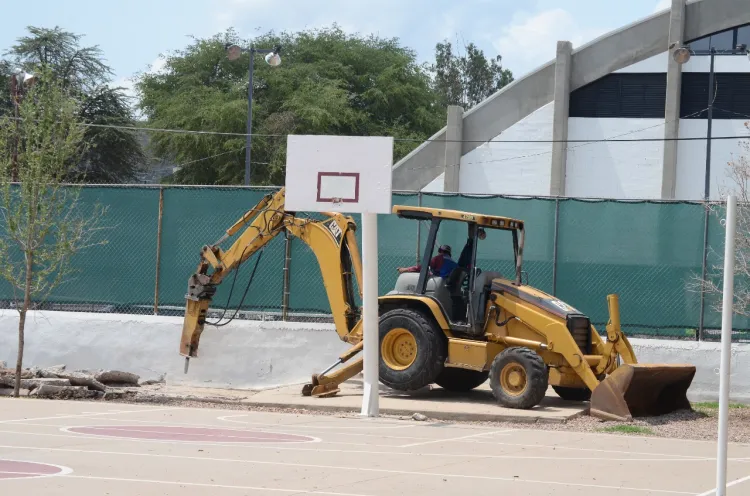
681,55
233,52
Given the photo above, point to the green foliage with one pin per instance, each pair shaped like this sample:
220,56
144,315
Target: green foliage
114,155
627,429
328,83
41,224
467,79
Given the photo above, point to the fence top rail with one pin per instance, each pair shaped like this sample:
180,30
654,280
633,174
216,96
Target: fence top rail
592,199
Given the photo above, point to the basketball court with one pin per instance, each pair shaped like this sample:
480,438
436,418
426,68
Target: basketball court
58,447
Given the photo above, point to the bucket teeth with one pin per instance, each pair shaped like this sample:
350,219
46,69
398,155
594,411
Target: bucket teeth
642,390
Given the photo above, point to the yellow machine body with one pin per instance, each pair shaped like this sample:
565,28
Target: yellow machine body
519,337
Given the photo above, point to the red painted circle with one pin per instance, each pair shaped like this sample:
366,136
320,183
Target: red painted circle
193,434
11,469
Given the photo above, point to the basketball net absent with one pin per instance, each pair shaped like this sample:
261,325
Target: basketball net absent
329,174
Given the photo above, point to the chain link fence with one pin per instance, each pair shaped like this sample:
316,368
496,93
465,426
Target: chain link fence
579,250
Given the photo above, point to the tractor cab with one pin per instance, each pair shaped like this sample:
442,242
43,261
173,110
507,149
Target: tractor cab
460,286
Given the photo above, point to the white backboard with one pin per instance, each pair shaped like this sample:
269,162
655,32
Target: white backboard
348,174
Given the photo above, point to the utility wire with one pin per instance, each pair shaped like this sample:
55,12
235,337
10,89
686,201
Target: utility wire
413,140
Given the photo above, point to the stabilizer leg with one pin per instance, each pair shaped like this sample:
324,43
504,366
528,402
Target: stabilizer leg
324,385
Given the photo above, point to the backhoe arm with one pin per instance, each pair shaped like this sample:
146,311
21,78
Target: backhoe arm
332,240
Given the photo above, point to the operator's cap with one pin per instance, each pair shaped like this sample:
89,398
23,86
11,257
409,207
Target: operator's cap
445,249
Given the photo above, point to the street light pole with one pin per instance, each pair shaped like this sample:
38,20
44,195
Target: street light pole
273,59
249,137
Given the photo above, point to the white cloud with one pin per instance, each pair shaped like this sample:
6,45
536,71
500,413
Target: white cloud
662,5
531,40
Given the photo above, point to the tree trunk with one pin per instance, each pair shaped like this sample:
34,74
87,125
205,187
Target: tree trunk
22,323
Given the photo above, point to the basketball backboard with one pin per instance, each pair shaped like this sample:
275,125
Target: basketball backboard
348,174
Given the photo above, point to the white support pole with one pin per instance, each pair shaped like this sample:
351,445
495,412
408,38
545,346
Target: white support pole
370,314
726,348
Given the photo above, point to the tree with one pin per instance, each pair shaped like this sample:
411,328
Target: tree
328,83
114,155
42,224
466,80
739,175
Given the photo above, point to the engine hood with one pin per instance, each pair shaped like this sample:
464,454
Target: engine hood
536,297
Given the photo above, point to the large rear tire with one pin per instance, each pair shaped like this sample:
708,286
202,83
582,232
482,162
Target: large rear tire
573,394
461,380
413,350
519,378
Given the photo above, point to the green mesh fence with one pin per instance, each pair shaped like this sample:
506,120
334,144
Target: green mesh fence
581,251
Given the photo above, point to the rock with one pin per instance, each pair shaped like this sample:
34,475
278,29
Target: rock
111,377
3,365
63,392
25,374
33,383
151,382
118,394
80,379
419,417
9,392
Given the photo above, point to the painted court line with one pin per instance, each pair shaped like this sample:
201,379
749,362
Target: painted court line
80,415
63,471
448,440
468,441
123,429
730,484
339,469
258,446
305,425
216,486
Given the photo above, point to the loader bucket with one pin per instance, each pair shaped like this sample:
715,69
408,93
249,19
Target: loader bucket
642,390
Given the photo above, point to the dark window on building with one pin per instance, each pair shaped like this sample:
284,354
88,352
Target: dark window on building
723,41
743,36
621,95
701,44
730,93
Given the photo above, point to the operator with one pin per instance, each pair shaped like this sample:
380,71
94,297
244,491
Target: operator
465,259
441,264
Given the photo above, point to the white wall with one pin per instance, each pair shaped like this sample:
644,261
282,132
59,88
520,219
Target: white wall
691,157
250,355
620,170
437,185
707,359
243,354
512,168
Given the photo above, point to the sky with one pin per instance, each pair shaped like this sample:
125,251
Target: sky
133,33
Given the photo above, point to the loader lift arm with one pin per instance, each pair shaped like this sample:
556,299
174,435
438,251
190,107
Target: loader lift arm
332,240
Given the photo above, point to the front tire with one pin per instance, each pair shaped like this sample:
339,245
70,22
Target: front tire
519,378
413,350
461,380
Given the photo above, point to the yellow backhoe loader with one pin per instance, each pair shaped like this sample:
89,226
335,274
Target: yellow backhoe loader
455,331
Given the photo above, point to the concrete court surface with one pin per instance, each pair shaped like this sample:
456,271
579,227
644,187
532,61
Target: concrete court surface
476,405
89,448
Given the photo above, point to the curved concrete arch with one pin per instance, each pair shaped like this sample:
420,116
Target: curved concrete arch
608,53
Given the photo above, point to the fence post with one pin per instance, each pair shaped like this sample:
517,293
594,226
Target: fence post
554,247
158,250
419,226
699,334
287,268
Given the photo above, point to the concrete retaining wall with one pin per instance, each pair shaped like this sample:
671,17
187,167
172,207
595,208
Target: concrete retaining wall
250,354
243,354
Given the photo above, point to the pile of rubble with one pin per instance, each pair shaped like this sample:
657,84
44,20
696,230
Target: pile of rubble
59,383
